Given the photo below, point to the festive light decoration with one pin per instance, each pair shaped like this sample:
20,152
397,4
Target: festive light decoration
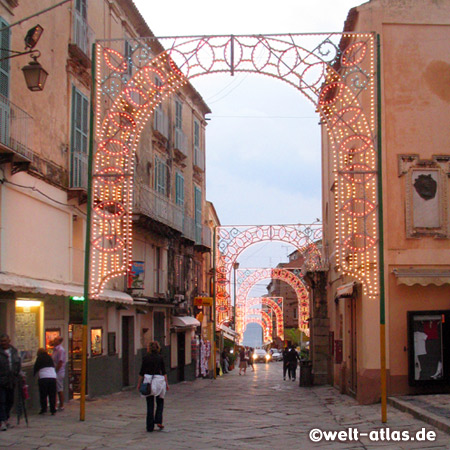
335,71
276,307
232,241
247,278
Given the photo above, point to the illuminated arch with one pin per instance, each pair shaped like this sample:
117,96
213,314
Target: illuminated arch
256,275
334,70
276,305
263,323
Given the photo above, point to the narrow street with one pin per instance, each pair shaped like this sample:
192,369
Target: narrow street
255,411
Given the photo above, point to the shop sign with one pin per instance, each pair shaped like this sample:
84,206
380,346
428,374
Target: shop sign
203,301
135,277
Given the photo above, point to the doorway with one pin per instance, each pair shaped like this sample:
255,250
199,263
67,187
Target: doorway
181,341
75,353
127,350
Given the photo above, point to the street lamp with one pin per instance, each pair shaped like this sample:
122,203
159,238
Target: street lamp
35,75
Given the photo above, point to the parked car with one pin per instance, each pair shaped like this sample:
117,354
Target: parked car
277,356
260,355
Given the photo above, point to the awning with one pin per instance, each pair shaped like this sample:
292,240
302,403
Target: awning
17,283
185,322
228,333
424,277
345,290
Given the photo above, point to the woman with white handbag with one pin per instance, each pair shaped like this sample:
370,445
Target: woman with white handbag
152,383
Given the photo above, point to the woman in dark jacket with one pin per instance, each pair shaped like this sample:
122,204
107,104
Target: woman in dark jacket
153,369
45,368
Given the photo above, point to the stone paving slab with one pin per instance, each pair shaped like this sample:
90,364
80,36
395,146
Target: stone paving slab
258,411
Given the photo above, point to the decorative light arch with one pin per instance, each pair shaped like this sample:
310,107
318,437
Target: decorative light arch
232,241
334,70
263,323
265,318
256,275
276,305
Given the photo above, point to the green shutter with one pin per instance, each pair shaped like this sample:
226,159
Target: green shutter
5,41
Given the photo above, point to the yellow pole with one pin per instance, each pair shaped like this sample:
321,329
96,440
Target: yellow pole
83,373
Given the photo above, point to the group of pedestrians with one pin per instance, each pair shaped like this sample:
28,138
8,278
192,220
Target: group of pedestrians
290,362
246,359
50,371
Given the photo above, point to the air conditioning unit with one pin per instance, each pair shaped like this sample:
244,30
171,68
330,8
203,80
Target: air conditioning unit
179,298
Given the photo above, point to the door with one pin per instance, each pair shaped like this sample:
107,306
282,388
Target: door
75,352
353,361
127,350
181,355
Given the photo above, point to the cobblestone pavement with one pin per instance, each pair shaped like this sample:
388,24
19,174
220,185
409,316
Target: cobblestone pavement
255,411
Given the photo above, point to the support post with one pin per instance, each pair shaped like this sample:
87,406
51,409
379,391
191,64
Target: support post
87,248
213,346
381,246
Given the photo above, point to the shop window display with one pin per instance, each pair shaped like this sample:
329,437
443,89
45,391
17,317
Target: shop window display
429,333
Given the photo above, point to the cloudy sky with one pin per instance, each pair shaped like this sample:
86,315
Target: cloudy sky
262,143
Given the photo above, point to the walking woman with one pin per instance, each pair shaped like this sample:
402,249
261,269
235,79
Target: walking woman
153,372
45,368
242,361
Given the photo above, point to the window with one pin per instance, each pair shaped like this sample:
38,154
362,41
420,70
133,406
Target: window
81,7
178,114
4,84
159,334
79,139
428,335
179,189
28,328
198,156
179,272
161,177
128,51
198,215
4,63
96,341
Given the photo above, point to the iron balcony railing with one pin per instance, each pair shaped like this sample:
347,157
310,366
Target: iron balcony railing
161,122
180,141
82,33
14,126
158,207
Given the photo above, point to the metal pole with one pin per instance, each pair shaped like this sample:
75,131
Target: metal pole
87,248
214,304
381,247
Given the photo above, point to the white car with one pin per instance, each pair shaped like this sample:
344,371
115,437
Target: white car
277,356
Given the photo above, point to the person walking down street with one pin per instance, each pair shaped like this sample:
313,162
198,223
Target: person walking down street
225,361
292,362
10,365
45,368
242,361
153,372
250,358
59,358
286,363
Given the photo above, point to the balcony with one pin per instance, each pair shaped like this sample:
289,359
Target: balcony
161,124
158,207
82,39
180,144
14,133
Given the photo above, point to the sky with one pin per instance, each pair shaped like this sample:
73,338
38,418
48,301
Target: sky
263,162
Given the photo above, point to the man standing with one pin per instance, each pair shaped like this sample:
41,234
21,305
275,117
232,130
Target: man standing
9,371
59,358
